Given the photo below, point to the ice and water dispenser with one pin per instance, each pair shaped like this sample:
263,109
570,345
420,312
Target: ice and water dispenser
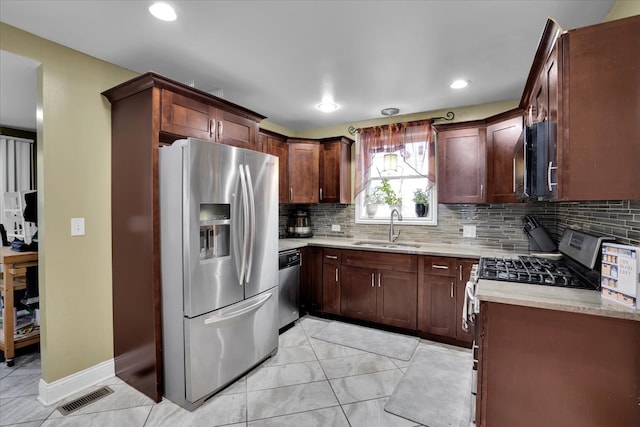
215,230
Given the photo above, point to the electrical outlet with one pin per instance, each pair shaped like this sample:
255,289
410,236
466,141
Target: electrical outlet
469,231
77,226
335,227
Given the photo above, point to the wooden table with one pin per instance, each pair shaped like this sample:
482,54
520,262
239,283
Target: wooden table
15,267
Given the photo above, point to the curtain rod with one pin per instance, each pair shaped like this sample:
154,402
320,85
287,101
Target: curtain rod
449,116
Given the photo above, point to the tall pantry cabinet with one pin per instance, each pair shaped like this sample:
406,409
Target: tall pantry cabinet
147,112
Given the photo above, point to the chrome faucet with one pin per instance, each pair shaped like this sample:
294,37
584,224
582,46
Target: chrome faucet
392,235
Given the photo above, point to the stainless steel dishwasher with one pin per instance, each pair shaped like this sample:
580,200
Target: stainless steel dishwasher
289,286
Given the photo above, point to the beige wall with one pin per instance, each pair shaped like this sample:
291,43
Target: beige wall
623,9
462,114
74,161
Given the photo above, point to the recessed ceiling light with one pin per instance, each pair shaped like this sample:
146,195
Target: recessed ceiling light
459,84
327,107
163,11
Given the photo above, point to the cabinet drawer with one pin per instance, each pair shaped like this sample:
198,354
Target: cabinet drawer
331,256
381,260
440,266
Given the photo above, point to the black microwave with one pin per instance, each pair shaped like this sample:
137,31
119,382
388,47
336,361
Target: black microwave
532,162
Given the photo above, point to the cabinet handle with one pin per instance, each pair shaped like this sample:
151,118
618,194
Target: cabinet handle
290,193
373,280
514,174
440,267
460,270
301,258
549,183
379,279
331,256
320,193
337,274
212,128
220,129
451,290
481,191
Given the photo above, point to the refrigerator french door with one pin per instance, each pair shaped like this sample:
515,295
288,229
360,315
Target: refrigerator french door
219,255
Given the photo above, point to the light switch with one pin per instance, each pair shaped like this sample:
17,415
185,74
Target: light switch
77,226
469,231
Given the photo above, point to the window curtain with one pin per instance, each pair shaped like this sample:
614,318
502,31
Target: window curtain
414,141
16,167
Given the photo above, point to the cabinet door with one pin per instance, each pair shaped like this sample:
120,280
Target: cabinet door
331,288
235,130
397,294
359,293
335,172
278,148
304,161
461,166
463,273
186,117
311,278
501,141
440,305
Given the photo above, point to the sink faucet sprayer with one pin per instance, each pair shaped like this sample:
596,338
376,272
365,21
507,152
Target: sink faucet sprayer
392,236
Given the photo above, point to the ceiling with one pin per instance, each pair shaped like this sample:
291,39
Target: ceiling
280,58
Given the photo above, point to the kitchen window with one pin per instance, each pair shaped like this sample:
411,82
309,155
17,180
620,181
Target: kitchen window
394,163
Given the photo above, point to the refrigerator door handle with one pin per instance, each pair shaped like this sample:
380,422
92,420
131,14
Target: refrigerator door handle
245,216
252,222
243,309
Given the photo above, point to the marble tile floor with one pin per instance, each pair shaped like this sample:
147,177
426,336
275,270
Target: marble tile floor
308,383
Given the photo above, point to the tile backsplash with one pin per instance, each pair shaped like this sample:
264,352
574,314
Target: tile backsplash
498,226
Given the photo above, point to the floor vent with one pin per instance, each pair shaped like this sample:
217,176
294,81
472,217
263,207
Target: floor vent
83,401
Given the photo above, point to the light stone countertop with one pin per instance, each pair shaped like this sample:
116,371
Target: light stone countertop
435,249
553,298
537,296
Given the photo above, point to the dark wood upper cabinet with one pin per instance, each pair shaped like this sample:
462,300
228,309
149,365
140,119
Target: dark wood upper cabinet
502,136
184,116
304,164
276,145
585,83
335,170
147,112
461,164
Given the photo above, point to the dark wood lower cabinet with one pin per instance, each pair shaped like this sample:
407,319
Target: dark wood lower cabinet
542,367
441,294
396,299
311,279
331,288
358,293
439,306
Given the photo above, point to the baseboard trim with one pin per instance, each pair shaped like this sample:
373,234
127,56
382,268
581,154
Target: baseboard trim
50,393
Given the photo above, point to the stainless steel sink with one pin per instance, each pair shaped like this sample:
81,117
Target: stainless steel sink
387,245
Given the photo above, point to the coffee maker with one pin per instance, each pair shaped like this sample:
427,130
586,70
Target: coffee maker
299,223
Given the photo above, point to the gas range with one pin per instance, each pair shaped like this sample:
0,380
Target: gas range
532,270
576,269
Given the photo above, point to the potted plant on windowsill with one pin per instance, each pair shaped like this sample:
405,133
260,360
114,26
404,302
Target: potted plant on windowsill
421,199
372,200
391,198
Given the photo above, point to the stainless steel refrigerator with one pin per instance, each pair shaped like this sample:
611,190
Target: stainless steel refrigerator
219,255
